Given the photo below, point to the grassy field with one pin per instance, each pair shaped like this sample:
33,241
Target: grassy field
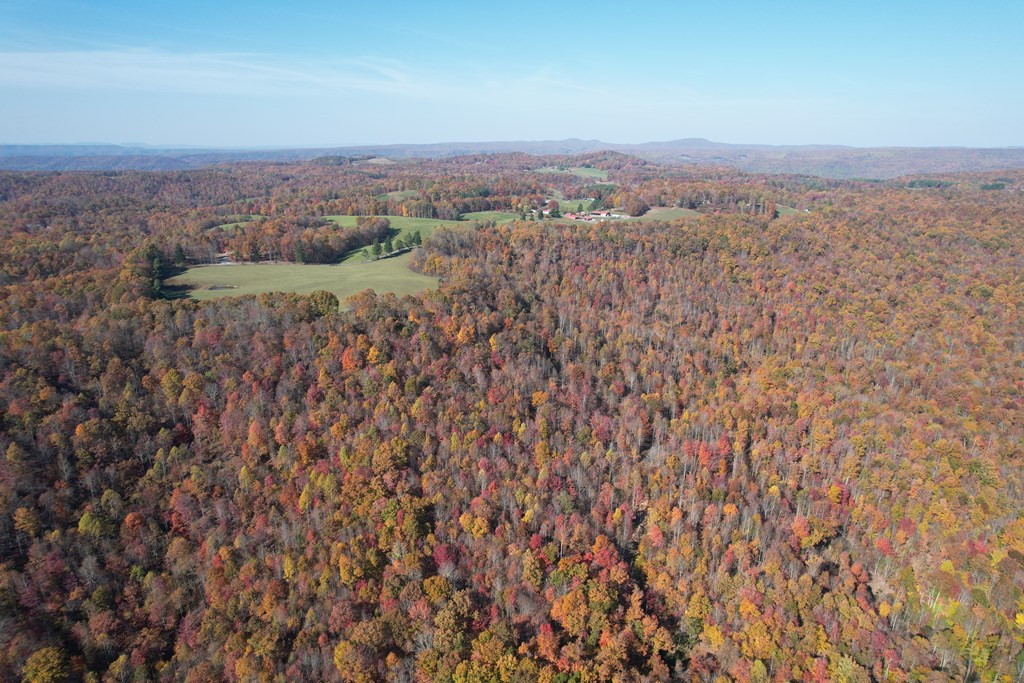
666,213
398,194
786,210
572,205
405,226
581,171
387,275
233,222
565,205
496,216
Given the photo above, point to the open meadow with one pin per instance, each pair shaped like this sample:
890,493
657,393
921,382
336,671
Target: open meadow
385,275
666,213
581,171
496,216
407,225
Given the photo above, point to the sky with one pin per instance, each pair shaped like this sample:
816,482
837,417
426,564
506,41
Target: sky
272,74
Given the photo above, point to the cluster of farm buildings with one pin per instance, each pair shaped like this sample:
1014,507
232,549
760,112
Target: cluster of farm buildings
591,216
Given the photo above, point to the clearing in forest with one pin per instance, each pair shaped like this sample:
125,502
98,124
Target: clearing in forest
666,213
581,171
398,194
386,275
496,216
233,222
406,226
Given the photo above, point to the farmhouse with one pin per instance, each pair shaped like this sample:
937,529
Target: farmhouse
591,216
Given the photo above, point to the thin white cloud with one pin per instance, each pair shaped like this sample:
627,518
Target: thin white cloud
141,70
358,95
204,73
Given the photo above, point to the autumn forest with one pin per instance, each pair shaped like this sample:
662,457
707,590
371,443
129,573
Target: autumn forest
761,428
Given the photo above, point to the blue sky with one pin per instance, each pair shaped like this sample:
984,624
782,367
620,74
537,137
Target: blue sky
330,73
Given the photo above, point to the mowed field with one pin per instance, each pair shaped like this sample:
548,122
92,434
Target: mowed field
408,225
349,277
571,205
581,171
496,216
398,194
386,275
234,222
405,226
666,213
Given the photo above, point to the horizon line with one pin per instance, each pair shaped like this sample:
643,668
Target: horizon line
158,147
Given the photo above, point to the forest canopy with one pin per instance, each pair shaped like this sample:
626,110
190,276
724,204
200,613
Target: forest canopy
778,439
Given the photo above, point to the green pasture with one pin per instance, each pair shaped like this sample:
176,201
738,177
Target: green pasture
572,205
398,194
405,225
496,216
233,222
386,275
581,171
666,213
408,225
565,205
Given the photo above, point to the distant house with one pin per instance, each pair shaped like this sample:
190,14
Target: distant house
591,216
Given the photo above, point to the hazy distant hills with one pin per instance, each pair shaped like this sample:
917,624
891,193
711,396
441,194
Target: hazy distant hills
833,161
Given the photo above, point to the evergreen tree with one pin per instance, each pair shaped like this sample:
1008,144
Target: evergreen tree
158,277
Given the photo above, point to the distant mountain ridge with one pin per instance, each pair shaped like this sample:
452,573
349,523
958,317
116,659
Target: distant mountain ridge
834,161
